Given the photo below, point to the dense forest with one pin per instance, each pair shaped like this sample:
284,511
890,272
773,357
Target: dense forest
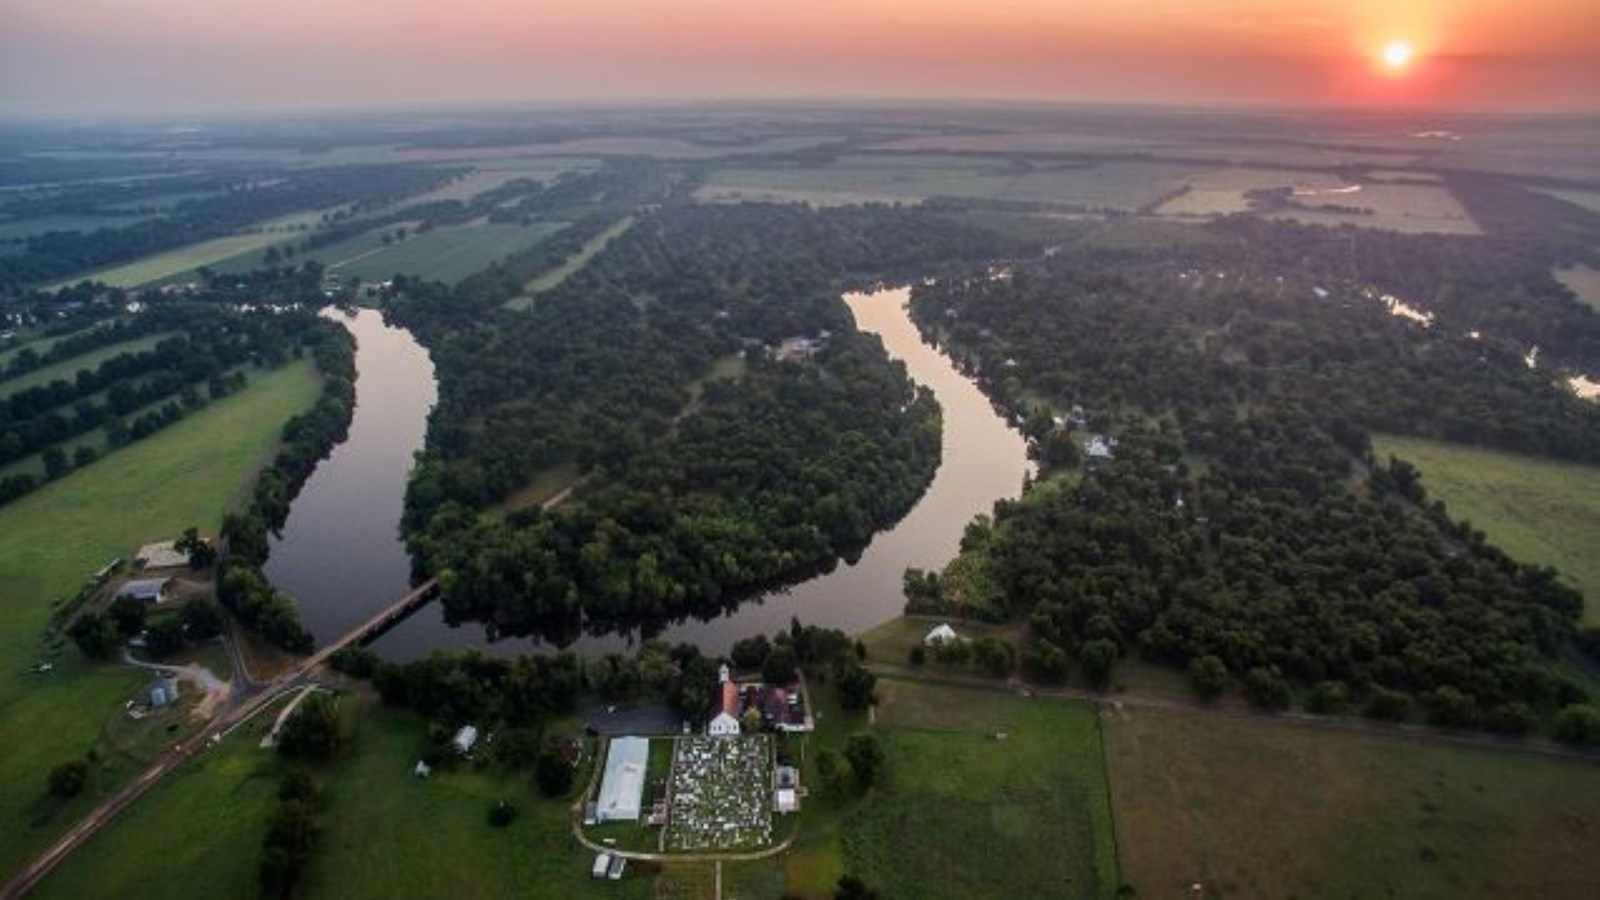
712,467
1242,528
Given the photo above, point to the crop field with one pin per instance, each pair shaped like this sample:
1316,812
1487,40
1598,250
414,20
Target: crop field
1217,192
67,369
491,174
1584,282
184,475
1407,208
987,795
1540,511
1124,186
1589,200
1254,808
721,794
446,254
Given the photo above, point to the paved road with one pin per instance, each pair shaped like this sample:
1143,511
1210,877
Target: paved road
1238,710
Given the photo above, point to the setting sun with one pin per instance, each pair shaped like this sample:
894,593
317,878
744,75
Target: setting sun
1397,55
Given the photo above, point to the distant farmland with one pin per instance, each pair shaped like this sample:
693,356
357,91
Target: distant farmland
445,254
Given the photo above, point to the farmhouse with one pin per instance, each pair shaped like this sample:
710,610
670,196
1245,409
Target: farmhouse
941,633
149,590
623,783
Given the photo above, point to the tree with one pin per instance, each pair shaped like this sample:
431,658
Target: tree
1329,698
780,666
856,687
1098,657
696,688
55,463
835,773
312,732
164,637
200,551
502,814
296,784
1209,674
94,634
1578,724
552,772
749,654
852,888
866,759
202,620
918,655
69,778
1265,687
128,614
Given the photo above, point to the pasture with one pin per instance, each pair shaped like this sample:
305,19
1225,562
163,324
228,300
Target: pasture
190,257
1539,511
184,475
573,263
966,813
492,173
1255,808
447,254
1118,185
1219,192
22,229
1589,200
67,369
1407,208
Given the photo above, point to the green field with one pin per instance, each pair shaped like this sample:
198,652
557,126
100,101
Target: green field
492,173
1117,185
444,254
388,834
572,264
206,820
968,814
67,369
187,474
1252,808
1539,511
1408,208
18,229
190,257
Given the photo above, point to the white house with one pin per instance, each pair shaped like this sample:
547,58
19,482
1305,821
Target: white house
726,722
941,634
465,738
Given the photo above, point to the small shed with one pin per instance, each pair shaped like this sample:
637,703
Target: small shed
465,738
422,770
602,863
941,633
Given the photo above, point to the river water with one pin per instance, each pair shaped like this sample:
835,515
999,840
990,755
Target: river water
341,558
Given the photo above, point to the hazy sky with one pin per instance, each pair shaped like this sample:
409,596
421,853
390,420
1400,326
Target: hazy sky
167,56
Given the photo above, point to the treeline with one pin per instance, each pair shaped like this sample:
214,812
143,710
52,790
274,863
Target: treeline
60,254
102,334
1243,530
306,439
694,498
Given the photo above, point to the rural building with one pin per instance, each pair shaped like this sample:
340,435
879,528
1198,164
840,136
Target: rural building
164,693
786,791
602,863
726,722
1099,448
149,590
622,786
422,770
941,633
465,738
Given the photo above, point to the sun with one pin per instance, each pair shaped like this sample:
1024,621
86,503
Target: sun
1397,56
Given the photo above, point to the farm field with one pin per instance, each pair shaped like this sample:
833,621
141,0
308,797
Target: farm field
572,264
1589,200
968,814
446,254
19,229
151,490
1407,208
1539,511
491,174
1218,192
1584,282
911,179
182,260
206,820
1252,808
67,369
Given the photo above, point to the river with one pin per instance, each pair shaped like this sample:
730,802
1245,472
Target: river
344,558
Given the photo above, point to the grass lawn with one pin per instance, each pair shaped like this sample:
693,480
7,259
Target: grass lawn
205,821
966,814
67,369
389,834
891,642
1252,808
183,259
1538,510
184,475
543,488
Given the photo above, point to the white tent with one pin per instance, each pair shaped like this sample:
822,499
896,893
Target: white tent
941,634
623,784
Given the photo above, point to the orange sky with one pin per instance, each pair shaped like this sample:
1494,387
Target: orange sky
67,56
